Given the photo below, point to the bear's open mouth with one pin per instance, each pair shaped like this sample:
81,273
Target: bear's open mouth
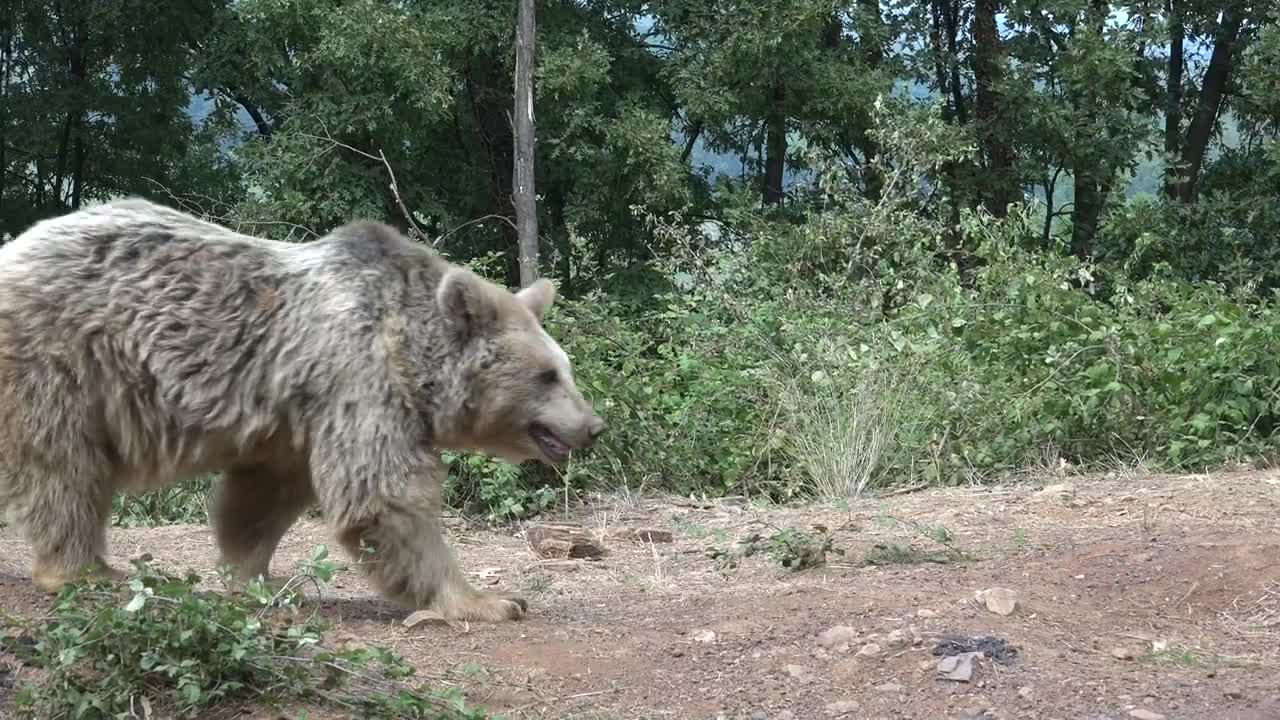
549,443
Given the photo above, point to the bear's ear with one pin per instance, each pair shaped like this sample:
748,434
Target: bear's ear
465,304
538,297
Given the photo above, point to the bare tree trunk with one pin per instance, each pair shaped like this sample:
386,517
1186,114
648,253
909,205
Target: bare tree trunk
1216,77
775,163
1173,96
523,187
987,108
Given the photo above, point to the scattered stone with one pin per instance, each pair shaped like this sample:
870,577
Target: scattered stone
989,645
895,640
704,636
422,617
1123,653
1026,692
927,665
958,667
869,650
800,673
840,635
926,613
1001,601
1144,714
1058,491
652,535
842,707
889,688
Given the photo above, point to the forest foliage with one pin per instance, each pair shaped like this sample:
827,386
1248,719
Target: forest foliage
804,246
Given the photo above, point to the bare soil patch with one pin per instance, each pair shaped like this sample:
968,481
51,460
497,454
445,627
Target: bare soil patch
1137,596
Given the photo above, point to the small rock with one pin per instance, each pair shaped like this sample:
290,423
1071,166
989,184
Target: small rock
916,637
889,688
926,613
842,707
704,636
927,665
799,672
786,715
1144,714
1001,601
1026,692
759,715
1122,653
957,667
837,636
869,650
895,640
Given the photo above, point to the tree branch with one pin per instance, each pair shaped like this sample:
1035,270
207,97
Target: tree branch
414,229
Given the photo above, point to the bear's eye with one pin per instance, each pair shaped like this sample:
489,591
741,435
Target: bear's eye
548,377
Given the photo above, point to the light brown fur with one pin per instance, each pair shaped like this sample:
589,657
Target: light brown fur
139,345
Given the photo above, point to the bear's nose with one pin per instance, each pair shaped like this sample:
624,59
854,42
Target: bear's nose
596,427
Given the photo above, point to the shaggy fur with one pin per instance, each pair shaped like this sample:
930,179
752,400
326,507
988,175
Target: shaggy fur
140,345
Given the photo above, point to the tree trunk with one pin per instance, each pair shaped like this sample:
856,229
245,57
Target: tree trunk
951,17
80,72
872,45
987,108
255,113
6,48
775,163
60,161
490,106
690,141
523,187
952,113
1209,105
1173,96
1091,194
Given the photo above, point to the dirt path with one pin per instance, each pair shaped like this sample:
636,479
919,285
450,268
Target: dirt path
1180,575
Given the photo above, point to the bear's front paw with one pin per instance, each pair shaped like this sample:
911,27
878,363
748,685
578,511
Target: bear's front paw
487,607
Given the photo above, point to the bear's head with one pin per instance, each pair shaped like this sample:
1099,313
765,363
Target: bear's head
520,398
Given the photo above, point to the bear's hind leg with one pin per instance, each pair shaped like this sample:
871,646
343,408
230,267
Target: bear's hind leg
411,564
256,505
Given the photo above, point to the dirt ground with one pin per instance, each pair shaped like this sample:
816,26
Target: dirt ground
1138,596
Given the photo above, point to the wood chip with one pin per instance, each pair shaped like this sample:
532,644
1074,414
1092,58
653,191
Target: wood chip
563,542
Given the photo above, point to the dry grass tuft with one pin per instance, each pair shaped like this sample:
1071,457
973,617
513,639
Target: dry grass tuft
843,433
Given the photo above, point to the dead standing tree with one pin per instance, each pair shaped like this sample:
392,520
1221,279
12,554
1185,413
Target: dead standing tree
524,195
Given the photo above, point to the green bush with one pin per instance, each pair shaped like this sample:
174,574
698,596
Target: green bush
159,646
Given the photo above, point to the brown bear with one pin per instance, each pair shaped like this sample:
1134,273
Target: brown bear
140,345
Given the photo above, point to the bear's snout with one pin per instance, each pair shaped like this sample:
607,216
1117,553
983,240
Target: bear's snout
595,428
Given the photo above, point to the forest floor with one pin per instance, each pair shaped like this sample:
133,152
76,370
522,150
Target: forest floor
1137,596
